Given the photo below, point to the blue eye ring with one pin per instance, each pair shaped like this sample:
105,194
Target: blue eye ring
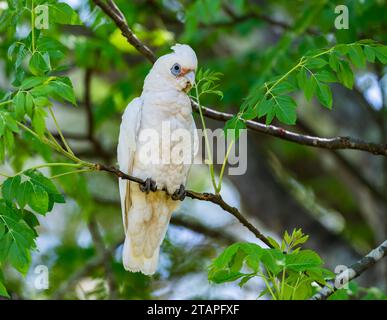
176,69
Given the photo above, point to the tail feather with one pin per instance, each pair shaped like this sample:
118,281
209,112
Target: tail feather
147,224
139,263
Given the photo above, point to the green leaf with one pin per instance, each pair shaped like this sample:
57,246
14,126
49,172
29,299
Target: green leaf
264,107
227,266
19,256
357,56
5,244
324,95
369,53
29,104
23,193
381,53
345,74
302,260
316,63
31,82
334,61
273,242
325,76
10,187
39,63
245,279
7,122
301,78
270,116
37,198
3,290
54,48
38,122
2,230
42,101
63,89
62,13
285,109
22,238
283,88
308,85
19,102
304,290
9,140
31,220
39,179
273,260
42,90
233,127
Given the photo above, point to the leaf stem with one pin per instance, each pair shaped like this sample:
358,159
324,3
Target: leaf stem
71,172
5,102
51,164
283,284
60,131
54,145
210,162
219,187
5,175
268,286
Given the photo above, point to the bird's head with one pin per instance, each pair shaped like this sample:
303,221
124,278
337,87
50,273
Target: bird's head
175,70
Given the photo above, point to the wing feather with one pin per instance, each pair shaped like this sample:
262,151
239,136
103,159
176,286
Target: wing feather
126,148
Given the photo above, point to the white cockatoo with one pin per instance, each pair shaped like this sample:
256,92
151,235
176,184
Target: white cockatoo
164,101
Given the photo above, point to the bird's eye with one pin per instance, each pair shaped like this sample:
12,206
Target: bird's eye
175,70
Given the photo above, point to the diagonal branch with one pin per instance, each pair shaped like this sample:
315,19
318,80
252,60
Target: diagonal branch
116,15
352,272
335,143
210,197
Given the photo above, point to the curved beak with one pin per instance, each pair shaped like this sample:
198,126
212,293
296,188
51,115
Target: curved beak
190,76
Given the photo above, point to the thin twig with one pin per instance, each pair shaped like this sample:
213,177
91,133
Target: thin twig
352,272
125,30
60,131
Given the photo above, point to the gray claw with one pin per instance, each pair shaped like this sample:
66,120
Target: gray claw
179,194
150,185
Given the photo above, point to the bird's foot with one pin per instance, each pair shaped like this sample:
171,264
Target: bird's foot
150,185
179,194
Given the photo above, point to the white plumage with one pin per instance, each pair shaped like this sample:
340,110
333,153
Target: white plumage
163,101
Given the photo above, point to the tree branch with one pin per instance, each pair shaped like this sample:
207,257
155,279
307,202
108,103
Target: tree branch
335,143
210,197
116,15
353,271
